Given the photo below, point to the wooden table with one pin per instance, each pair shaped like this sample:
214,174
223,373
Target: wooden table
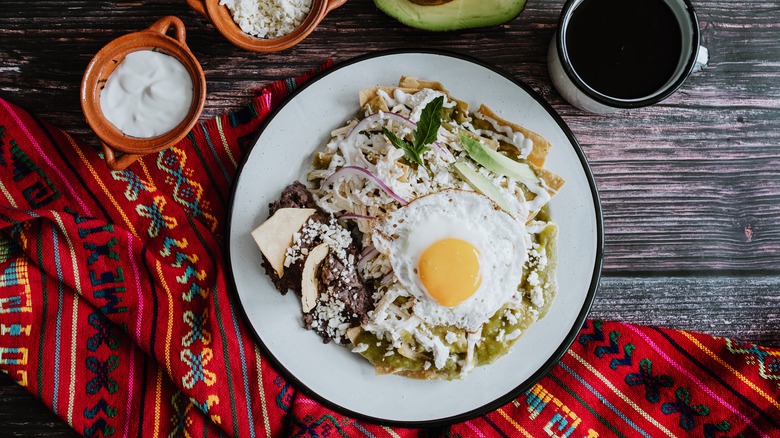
690,188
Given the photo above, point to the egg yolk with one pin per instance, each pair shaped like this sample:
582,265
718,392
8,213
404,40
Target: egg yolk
449,270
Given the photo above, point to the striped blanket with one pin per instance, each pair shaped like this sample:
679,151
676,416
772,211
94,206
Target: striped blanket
115,312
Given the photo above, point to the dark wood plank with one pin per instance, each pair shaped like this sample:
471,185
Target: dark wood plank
23,415
744,307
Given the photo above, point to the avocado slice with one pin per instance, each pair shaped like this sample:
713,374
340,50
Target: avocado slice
482,184
451,15
496,161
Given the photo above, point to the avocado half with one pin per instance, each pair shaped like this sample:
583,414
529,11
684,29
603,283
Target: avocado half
442,15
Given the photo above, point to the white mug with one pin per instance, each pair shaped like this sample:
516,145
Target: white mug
579,93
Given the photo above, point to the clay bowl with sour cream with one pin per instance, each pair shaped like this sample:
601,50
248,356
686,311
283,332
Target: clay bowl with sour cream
160,81
222,19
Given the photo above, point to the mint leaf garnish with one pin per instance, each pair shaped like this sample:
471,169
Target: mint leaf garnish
426,133
430,121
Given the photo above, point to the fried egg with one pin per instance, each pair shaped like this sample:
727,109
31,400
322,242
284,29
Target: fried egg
457,254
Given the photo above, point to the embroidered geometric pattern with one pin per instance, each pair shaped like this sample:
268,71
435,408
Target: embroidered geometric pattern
768,361
652,383
198,372
154,211
682,405
186,191
134,184
102,378
199,331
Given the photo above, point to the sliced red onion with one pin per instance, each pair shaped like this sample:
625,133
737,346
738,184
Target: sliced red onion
367,258
387,278
366,250
444,150
356,216
400,119
355,170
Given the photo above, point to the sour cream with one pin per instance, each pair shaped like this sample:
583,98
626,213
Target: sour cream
148,94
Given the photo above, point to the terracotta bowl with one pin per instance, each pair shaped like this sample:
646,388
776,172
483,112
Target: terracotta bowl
221,18
122,150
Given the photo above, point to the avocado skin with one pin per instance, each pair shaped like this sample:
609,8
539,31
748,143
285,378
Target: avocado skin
454,15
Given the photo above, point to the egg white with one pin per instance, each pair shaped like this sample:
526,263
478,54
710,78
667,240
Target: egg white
502,242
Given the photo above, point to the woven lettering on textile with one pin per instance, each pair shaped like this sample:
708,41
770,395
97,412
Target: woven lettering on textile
114,311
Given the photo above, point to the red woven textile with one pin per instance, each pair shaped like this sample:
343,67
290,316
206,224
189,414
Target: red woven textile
115,311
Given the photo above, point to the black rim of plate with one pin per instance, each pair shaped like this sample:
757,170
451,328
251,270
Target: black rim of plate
559,352
563,53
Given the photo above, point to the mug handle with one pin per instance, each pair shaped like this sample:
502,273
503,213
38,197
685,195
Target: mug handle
331,4
120,163
199,6
165,23
702,59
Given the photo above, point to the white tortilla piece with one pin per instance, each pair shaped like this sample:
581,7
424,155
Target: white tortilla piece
275,235
309,283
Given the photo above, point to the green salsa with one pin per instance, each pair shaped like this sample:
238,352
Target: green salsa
498,335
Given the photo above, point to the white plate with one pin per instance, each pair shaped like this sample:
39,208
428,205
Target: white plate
345,381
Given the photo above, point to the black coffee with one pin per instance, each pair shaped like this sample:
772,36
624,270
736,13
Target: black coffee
624,48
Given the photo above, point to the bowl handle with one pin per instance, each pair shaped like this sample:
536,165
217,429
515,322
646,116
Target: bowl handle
163,24
120,163
199,6
333,4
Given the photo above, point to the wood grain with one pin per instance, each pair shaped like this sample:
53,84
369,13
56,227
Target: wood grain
746,307
690,187
22,415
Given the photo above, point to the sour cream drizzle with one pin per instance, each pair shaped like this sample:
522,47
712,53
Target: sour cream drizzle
147,95
506,133
542,195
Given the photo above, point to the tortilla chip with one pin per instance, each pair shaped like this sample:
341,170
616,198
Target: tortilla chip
553,181
541,146
275,235
375,105
409,82
429,374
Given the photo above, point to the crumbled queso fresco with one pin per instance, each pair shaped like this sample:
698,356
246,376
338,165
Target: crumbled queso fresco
268,18
328,314
331,233
537,261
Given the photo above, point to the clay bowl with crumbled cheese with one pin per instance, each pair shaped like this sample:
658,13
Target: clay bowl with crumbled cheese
270,35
